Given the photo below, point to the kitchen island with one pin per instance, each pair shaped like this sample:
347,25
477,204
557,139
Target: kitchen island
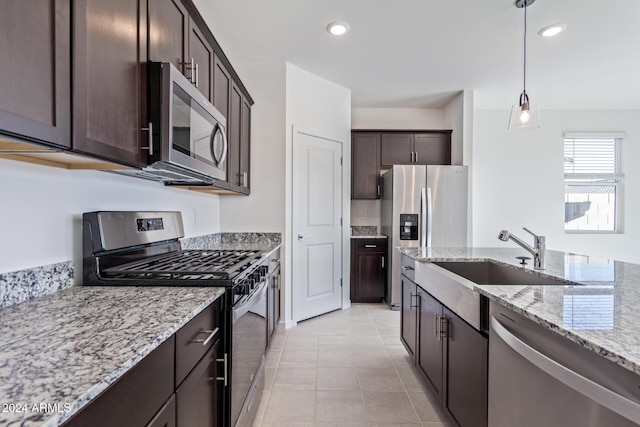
601,315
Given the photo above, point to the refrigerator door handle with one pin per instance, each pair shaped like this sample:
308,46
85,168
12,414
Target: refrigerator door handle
429,215
423,217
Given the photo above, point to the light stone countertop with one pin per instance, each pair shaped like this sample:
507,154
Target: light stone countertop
376,236
67,347
603,315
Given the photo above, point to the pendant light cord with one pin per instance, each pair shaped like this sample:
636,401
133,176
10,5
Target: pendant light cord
524,71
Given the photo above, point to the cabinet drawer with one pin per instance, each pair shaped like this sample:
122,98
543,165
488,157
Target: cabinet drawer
196,337
371,245
135,398
408,267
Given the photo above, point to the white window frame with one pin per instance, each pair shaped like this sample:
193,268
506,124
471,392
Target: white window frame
571,178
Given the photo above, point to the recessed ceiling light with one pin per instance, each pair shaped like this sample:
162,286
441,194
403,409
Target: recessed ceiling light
338,28
552,30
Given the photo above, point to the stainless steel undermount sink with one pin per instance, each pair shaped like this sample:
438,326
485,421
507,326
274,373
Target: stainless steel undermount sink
489,273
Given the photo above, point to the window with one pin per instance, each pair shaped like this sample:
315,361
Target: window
593,183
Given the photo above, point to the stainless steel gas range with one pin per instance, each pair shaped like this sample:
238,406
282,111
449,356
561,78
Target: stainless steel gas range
122,248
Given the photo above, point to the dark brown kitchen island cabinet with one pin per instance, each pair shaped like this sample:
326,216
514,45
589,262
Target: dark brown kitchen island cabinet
415,148
368,269
109,96
365,165
35,94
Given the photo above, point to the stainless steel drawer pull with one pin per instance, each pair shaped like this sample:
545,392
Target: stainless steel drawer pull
418,301
382,262
407,268
370,246
225,377
212,333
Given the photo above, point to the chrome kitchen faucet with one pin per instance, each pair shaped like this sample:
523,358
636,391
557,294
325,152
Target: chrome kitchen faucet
537,250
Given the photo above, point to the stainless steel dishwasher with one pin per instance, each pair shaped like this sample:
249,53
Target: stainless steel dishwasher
539,378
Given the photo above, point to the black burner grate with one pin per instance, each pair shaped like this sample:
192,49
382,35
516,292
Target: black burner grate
187,265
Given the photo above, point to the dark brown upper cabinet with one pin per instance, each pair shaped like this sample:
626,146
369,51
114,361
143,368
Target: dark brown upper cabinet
239,134
415,148
35,94
109,113
365,165
221,88
168,32
175,37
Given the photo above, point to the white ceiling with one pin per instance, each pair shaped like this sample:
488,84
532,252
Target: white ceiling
419,53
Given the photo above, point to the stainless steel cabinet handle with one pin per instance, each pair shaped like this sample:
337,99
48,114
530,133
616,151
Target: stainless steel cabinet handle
370,246
245,179
416,156
149,138
196,70
594,391
436,322
212,333
417,299
382,262
444,328
225,376
407,268
378,190
191,76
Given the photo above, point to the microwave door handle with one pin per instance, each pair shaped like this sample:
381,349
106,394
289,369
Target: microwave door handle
216,130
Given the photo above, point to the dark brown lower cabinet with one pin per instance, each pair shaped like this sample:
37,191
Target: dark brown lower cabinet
273,297
368,271
452,355
467,358
166,417
430,356
409,318
134,399
197,398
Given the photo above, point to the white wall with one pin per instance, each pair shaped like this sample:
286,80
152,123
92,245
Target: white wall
40,218
398,118
518,180
263,210
318,107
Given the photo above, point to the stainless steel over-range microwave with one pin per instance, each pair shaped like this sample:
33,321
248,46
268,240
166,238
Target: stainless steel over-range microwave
187,134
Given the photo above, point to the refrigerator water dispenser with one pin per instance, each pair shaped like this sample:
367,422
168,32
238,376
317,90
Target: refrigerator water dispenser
408,226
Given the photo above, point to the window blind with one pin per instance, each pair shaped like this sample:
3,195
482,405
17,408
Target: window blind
591,156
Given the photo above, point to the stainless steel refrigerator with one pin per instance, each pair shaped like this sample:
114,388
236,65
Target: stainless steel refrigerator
421,206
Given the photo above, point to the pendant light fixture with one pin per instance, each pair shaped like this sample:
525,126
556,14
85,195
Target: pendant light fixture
523,114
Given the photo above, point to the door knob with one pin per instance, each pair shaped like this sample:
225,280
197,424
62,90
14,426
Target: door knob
303,236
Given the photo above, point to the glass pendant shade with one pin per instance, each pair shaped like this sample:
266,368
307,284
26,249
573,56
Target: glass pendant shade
524,115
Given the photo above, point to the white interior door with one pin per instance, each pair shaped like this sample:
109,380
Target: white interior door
317,210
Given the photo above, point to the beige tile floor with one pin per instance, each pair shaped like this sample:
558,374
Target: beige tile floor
345,369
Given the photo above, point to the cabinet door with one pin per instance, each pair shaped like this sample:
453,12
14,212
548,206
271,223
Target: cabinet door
168,32
396,149
35,94
234,130
166,417
365,165
467,366
432,149
202,53
430,354
369,272
221,88
245,146
408,319
198,397
110,89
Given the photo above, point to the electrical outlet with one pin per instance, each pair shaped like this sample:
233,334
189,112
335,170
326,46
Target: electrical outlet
195,216
364,215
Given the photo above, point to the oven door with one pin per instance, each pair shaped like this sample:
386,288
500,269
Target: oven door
249,344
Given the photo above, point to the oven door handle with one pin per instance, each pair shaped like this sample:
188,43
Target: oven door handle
242,309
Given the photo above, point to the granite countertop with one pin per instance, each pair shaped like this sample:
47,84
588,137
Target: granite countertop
67,347
602,315
375,236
